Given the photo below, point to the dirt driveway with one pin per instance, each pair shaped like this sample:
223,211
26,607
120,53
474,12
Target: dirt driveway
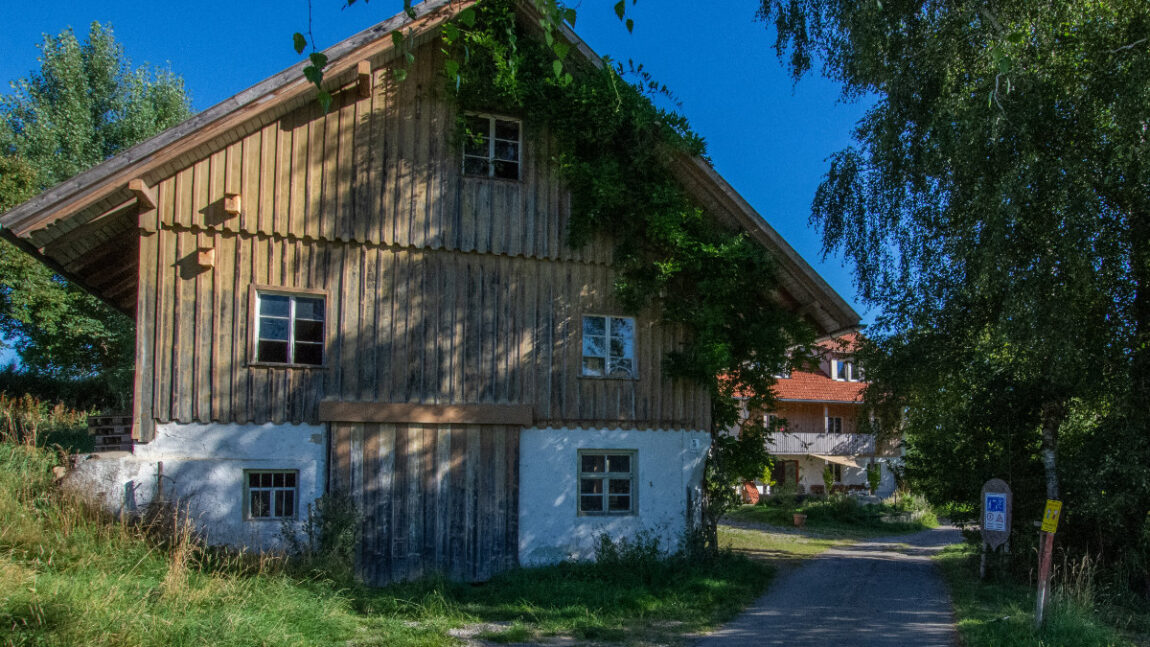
874,593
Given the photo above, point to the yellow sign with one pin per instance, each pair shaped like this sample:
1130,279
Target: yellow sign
1050,518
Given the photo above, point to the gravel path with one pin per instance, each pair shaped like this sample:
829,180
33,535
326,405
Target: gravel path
875,593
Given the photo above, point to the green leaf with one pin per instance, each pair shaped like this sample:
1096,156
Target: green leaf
561,49
318,59
324,98
397,38
313,74
620,8
569,16
400,74
557,67
467,16
408,9
409,57
300,42
451,68
630,25
450,32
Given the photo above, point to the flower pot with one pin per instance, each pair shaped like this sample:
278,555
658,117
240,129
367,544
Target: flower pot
800,520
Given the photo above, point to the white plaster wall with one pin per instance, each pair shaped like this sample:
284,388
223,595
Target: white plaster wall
203,467
551,529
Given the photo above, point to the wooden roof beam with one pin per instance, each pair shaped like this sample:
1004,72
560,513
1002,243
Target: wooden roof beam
145,195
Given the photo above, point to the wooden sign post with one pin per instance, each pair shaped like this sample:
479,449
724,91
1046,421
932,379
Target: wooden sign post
1045,553
997,517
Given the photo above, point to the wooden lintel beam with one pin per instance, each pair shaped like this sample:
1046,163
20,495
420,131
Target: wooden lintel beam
387,412
145,195
363,78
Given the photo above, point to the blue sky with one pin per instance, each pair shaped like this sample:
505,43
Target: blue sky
767,137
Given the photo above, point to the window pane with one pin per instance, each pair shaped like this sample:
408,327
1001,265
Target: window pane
619,463
289,479
506,170
622,327
594,346
278,510
253,480
591,503
278,479
309,309
593,366
265,479
274,304
475,166
261,504
309,331
506,151
617,349
590,486
594,326
272,351
622,368
619,503
288,498
273,328
593,463
310,354
476,146
620,486
506,129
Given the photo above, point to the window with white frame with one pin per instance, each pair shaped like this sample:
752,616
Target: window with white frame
607,482
492,147
844,371
609,346
270,494
834,425
289,328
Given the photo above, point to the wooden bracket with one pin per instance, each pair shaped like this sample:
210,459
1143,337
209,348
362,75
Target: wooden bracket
232,204
363,78
145,195
206,257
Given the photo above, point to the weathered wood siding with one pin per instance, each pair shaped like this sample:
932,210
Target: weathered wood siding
434,498
440,289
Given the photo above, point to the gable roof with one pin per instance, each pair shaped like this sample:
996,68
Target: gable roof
87,224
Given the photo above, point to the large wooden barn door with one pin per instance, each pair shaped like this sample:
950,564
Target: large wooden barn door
434,498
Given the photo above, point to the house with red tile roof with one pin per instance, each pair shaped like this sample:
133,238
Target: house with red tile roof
818,407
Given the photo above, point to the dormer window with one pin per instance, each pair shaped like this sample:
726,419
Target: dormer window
845,371
492,147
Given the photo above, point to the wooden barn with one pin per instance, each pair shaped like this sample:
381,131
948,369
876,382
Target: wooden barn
348,302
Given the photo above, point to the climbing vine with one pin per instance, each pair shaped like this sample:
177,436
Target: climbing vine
616,150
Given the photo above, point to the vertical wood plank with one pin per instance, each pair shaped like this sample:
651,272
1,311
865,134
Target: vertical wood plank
143,420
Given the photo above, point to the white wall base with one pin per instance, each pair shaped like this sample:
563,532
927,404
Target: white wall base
669,463
203,468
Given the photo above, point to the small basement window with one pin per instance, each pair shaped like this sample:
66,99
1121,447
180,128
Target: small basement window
289,328
270,494
606,482
492,147
608,346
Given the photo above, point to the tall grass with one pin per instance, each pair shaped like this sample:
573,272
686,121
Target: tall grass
71,575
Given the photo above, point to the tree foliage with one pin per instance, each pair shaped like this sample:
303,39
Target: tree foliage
674,262
85,104
996,205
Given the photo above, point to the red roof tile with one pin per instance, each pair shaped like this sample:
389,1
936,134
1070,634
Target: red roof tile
817,387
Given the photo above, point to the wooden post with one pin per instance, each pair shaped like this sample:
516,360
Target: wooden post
1045,550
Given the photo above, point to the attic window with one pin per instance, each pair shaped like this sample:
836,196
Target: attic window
608,346
845,371
492,147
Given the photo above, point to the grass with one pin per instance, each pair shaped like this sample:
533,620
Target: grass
69,575
1000,612
774,546
843,516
